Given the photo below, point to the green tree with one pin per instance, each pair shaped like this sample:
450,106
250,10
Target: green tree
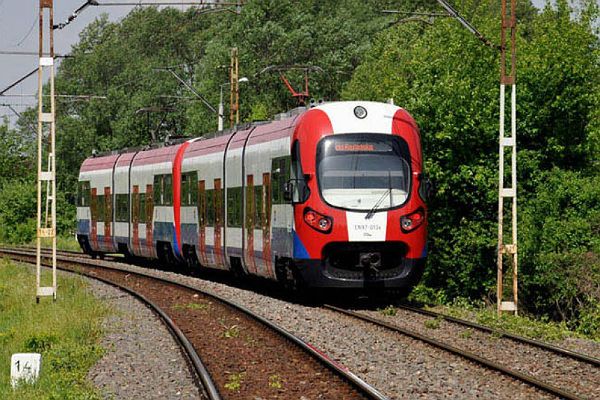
449,81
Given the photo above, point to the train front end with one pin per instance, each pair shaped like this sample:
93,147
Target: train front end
358,189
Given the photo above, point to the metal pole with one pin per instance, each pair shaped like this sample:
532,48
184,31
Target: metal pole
220,128
510,142
48,230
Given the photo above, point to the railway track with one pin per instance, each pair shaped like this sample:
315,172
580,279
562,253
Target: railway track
593,361
243,355
552,388
535,379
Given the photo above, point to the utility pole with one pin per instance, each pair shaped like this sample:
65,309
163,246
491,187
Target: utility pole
46,118
508,78
234,103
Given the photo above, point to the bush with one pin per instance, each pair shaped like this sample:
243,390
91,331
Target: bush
560,248
18,202
18,207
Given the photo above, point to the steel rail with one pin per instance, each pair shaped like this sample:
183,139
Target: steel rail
528,379
533,342
202,377
358,384
536,343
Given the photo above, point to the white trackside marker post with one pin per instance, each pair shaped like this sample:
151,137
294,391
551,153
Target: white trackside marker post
508,78
46,123
24,367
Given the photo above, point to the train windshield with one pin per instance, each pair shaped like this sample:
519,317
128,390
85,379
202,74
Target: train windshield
363,172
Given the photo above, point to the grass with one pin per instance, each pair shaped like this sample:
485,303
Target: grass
66,332
234,381
389,311
486,314
523,325
275,382
68,243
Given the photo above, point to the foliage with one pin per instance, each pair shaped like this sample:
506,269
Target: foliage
18,204
18,201
15,154
66,332
449,82
560,233
389,311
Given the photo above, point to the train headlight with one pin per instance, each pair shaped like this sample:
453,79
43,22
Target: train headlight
360,112
412,221
318,221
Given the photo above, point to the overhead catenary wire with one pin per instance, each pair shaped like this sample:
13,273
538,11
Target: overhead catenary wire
59,26
452,11
75,14
29,53
28,32
164,3
12,85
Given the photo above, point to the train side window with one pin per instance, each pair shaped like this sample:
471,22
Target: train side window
218,203
108,208
149,204
230,207
168,190
185,189
189,189
193,188
280,173
275,173
157,189
135,205
83,194
210,207
100,208
94,207
258,211
234,207
87,193
250,206
267,204
201,196
122,208
142,205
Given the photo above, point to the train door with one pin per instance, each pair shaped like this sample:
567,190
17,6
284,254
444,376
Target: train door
249,225
202,223
267,262
150,249
219,217
108,218
94,219
282,210
135,219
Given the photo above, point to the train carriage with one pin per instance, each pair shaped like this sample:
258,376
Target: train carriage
333,196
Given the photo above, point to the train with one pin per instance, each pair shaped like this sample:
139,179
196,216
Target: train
331,196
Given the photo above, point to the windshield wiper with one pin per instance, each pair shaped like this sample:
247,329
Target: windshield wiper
382,198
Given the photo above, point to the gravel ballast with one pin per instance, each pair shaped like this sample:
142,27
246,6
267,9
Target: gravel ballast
142,359
399,367
562,371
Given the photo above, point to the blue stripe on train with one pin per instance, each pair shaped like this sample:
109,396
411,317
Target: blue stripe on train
299,249
83,226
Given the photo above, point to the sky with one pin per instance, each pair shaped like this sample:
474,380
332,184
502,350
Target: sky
19,32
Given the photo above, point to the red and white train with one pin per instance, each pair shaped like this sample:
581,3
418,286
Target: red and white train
333,196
